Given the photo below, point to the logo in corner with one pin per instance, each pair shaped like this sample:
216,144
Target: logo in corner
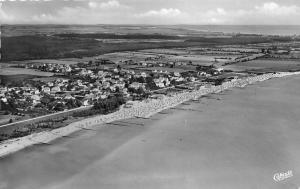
282,176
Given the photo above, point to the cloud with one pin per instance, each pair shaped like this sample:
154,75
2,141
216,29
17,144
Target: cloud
127,12
105,5
271,8
4,17
170,12
266,13
93,12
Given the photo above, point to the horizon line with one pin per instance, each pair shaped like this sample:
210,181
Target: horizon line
4,24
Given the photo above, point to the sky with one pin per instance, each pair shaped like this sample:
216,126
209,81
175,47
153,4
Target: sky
202,12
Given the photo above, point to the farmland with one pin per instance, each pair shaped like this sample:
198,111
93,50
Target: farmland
79,45
266,65
15,71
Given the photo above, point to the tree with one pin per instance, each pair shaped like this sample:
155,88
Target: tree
140,90
108,105
119,67
59,107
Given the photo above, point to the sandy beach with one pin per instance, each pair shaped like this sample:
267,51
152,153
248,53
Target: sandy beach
236,137
139,109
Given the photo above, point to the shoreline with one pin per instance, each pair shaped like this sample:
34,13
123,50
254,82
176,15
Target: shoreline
139,109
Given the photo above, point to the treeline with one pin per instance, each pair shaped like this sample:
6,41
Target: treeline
15,134
240,40
41,47
33,127
103,106
116,36
18,80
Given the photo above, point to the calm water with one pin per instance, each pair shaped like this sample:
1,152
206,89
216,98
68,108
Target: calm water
238,139
167,30
254,29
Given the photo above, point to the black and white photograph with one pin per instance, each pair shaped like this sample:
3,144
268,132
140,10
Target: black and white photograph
149,94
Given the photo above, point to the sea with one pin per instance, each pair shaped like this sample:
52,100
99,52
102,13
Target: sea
282,30
242,138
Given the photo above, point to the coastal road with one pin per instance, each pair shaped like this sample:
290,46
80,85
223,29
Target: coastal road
239,141
45,116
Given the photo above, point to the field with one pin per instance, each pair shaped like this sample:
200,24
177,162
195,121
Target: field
266,65
14,71
52,61
53,47
50,45
168,69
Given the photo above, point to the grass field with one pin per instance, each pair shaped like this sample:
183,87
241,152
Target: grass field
168,69
272,65
16,71
13,79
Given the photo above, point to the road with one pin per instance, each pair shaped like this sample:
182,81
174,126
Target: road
45,116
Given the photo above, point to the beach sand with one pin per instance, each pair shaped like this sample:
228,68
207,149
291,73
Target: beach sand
237,139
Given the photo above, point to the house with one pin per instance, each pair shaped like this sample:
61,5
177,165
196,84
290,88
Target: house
136,85
36,92
161,82
4,100
120,85
68,69
68,97
83,72
202,73
3,89
55,89
35,99
192,79
50,84
112,88
106,85
96,90
143,74
220,69
46,89
103,96
101,73
86,102
176,74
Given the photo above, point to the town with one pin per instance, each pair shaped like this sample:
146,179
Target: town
128,76
83,84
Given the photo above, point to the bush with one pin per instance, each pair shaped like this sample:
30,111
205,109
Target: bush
102,107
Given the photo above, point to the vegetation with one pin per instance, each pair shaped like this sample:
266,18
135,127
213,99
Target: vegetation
241,40
80,45
115,36
15,80
103,106
44,47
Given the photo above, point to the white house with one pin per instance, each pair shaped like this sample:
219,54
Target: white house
46,89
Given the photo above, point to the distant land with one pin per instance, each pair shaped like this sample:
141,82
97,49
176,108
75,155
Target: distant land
27,42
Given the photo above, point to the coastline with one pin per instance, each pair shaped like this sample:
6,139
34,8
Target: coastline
139,109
